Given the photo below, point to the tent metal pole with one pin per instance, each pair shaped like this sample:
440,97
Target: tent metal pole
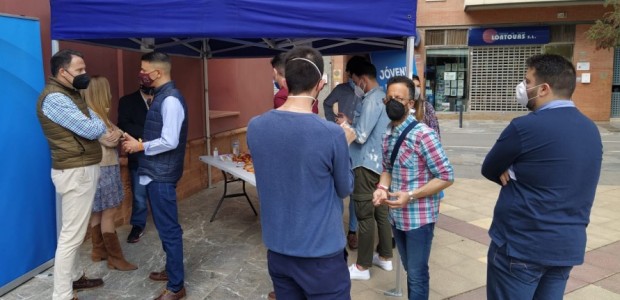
205,75
55,49
410,55
55,46
397,291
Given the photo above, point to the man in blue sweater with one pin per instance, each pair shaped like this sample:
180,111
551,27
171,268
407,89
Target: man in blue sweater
303,171
548,164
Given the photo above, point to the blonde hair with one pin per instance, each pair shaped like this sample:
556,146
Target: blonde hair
98,98
418,104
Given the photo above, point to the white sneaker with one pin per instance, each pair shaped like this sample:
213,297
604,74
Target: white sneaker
356,274
383,264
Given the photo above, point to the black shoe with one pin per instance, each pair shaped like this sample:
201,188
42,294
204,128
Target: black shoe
135,234
85,283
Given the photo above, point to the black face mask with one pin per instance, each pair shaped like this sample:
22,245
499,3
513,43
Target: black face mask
395,110
81,81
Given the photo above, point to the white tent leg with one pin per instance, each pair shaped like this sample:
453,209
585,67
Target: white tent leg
207,120
410,55
397,291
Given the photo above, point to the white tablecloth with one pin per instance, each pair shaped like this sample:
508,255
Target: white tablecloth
231,168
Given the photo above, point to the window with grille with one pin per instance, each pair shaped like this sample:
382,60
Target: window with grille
616,79
446,37
495,72
615,95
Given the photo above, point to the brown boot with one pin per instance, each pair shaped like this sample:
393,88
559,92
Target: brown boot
99,252
116,260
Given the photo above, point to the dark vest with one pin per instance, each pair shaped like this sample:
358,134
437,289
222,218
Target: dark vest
69,150
166,166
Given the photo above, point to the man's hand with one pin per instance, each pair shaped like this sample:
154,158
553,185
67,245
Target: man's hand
504,178
115,136
348,132
400,199
342,119
131,145
379,197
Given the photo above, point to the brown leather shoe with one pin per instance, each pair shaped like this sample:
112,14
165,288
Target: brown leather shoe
271,295
159,276
85,283
169,295
352,241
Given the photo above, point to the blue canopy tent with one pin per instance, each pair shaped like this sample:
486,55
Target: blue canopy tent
239,28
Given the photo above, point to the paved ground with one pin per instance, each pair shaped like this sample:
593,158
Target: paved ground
226,259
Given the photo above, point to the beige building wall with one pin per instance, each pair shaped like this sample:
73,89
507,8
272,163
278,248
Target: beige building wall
593,99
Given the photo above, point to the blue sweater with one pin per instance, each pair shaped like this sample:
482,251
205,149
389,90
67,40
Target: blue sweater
303,171
542,216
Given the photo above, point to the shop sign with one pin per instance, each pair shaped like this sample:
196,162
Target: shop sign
508,36
390,64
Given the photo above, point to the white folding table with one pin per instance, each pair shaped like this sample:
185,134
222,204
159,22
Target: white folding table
232,172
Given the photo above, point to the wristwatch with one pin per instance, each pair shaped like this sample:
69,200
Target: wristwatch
410,193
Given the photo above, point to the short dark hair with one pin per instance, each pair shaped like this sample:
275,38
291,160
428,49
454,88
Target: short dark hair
365,68
556,71
62,59
354,62
158,58
278,62
302,76
406,81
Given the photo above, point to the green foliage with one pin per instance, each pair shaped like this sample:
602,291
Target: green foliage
606,31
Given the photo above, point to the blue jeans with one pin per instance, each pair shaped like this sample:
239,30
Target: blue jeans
352,216
514,279
138,209
163,199
414,247
312,278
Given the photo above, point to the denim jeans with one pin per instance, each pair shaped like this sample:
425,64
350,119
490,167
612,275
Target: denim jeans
414,247
163,199
352,217
514,279
139,209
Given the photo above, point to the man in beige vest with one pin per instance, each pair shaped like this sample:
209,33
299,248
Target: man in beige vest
72,131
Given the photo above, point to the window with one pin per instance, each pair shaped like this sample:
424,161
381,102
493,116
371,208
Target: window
446,37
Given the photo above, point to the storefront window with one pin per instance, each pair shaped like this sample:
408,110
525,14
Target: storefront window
447,78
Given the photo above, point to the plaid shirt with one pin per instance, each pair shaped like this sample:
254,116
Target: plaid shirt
420,159
61,110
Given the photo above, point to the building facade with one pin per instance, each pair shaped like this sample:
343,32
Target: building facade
473,52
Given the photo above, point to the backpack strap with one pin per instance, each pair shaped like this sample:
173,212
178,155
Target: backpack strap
400,140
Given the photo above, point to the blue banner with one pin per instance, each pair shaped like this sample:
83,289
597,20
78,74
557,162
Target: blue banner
508,36
28,205
390,64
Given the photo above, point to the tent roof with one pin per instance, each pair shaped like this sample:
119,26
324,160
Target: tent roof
236,28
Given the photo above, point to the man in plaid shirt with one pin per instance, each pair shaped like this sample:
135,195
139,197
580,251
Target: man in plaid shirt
410,186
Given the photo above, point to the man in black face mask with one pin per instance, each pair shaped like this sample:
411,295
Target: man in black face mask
72,131
132,110
415,170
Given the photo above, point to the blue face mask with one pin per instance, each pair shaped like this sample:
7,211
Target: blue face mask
275,83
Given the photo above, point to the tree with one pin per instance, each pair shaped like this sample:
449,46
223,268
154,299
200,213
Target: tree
606,31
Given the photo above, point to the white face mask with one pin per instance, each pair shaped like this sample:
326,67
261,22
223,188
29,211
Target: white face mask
359,91
521,94
417,93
